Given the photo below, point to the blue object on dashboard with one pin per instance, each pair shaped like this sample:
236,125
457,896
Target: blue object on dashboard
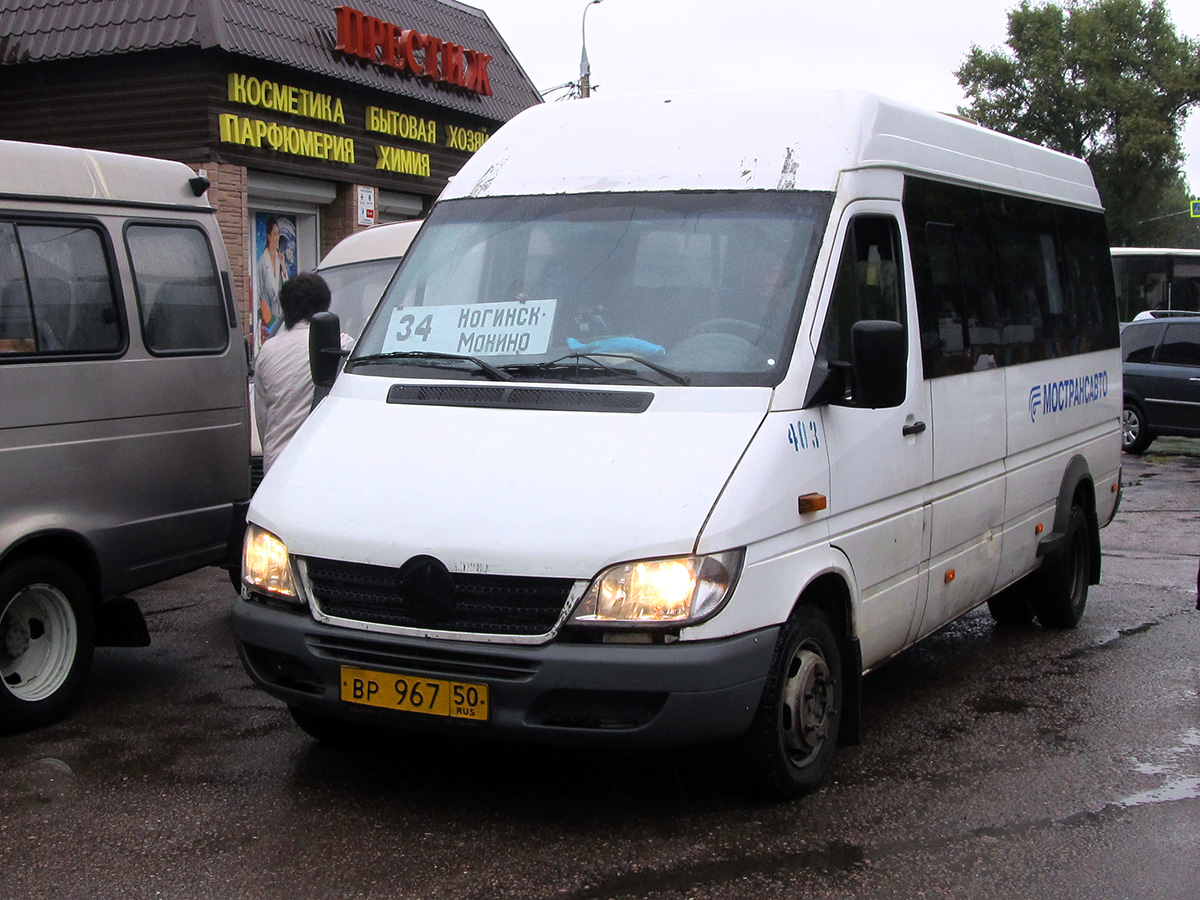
617,345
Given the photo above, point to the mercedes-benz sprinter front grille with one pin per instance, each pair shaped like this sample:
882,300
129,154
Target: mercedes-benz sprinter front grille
466,603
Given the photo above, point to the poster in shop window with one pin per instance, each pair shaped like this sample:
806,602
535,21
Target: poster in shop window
275,262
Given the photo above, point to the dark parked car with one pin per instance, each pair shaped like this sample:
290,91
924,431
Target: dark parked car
1162,380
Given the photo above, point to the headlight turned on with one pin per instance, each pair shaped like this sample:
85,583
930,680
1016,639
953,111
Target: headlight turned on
266,567
682,590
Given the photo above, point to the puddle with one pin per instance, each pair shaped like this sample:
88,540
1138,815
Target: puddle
1183,789
1109,639
1181,785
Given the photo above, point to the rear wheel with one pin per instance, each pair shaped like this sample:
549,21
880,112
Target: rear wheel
46,642
1061,585
792,741
1135,435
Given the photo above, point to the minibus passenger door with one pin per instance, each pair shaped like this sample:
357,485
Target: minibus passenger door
867,378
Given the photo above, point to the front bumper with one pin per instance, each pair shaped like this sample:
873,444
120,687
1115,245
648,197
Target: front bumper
615,694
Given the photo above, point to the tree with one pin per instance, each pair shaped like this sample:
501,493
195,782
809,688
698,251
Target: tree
1106,80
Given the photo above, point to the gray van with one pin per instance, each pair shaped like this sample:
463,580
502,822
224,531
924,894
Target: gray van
124,429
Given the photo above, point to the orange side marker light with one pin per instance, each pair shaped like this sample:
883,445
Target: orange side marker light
811,503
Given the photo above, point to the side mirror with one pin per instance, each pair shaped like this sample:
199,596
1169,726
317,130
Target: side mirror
324,351
879,354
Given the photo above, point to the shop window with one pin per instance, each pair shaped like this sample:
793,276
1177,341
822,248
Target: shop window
178,288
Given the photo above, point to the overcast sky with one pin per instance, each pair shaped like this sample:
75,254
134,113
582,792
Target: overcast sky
906,50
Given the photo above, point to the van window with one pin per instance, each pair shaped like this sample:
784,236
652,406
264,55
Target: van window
708,285
16,315
1181,346
56,290
1002,280
1138,341
178,289
956,288
868,285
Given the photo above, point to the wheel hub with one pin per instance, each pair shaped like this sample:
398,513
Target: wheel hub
16,637
38,642
807,705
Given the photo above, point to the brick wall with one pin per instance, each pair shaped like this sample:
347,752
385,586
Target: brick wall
340,218
228,196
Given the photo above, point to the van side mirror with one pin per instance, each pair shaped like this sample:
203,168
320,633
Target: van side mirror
879,354
324,348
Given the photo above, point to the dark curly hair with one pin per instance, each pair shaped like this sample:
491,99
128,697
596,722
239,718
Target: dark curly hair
301,296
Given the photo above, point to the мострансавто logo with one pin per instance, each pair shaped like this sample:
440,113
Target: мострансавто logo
1057,396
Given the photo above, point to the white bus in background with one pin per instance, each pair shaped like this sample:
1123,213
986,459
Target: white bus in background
359,268
682,414
1154,281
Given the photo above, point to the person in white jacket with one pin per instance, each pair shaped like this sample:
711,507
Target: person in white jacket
283,385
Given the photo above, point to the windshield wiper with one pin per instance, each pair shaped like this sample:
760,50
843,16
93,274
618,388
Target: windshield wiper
486,367
591,356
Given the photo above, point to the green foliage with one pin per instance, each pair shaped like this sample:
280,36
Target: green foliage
1107,80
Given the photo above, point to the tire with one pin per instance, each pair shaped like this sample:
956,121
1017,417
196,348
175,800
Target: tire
1135,434
1012,606
792,741
47,635
1061,585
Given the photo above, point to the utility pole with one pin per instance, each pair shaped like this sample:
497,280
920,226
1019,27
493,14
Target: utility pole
585,70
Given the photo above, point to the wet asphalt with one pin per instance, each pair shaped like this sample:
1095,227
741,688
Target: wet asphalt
995,763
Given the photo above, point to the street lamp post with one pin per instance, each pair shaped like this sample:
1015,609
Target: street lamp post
585,70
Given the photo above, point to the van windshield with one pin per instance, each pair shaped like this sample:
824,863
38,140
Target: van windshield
700,288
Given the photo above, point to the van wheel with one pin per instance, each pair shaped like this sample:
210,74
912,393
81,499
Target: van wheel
1135,435
792,740
46,641
1012,606
1061,585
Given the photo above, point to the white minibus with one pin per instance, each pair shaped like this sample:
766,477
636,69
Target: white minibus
684,412
124,436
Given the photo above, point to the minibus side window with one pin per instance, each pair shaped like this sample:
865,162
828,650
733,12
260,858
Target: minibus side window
64,301
1004,280
16,315
1141,283
178,289
1185,285
868,286
956,296
1035,324
1091,316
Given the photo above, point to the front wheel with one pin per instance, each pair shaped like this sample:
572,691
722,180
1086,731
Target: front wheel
46,642
791,742
1061,585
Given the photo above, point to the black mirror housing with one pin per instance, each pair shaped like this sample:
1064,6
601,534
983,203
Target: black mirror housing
879,354
324,348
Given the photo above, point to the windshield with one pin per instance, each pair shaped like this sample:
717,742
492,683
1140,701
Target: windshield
671,288
355,288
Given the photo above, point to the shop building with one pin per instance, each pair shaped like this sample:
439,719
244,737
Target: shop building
312,119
